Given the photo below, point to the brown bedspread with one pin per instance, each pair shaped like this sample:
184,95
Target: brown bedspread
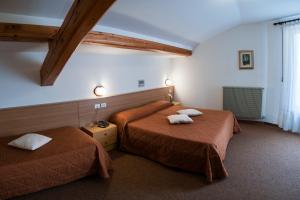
197,147
69,156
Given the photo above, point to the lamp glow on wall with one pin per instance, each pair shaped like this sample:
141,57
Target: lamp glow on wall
168,82
99,90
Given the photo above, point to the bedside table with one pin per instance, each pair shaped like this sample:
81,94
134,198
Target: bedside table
176,103
106,136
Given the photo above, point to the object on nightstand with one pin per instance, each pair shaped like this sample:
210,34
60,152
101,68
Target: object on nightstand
102,123
106,136
176,103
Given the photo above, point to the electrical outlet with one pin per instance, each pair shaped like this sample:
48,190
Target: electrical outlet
97,106
103,105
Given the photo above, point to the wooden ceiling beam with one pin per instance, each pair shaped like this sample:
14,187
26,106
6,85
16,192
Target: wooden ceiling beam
26,32
38,33
125,42
81,18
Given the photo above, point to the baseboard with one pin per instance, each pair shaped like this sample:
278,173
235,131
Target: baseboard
257,122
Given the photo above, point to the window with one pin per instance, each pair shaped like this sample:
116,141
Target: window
297,75
289,115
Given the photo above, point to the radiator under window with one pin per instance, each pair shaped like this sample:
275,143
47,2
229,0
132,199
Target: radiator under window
244,102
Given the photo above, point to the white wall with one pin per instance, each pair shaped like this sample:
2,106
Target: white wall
118,70
214,64
198,79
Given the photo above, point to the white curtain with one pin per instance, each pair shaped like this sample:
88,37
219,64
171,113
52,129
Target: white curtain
289,114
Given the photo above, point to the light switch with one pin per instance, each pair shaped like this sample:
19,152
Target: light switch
141,83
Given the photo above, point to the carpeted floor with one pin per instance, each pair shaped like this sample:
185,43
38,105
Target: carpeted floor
263,163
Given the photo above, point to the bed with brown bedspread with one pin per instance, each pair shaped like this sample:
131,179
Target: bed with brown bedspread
70,155
197,147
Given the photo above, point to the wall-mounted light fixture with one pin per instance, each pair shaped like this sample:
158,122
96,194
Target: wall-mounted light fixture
168,82
99,90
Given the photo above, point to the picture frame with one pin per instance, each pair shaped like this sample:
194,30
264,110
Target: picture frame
246,59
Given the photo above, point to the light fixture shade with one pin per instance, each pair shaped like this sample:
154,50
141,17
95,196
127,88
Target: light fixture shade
168,82
99,90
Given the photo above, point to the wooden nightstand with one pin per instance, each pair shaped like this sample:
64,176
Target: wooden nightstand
106,136
176,103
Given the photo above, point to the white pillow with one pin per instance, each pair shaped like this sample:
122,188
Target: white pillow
190,112
30,141
180,119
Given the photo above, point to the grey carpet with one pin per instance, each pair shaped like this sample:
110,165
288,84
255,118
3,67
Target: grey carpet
263,163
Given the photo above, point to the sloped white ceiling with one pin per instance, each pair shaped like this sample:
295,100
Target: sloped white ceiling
261,10
186,22
189,21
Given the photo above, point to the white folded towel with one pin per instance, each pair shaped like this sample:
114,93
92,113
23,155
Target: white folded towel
180,119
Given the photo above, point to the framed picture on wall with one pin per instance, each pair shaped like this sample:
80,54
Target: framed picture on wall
246,59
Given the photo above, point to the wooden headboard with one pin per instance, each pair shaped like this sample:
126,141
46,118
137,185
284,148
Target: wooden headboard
15,121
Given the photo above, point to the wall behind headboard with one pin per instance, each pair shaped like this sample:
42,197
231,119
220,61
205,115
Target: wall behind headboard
117,69
15,121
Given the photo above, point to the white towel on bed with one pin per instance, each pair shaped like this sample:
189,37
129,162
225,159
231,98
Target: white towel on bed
190,112
180,119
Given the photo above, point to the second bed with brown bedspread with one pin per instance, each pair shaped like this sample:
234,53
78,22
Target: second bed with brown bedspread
70,155
197,147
